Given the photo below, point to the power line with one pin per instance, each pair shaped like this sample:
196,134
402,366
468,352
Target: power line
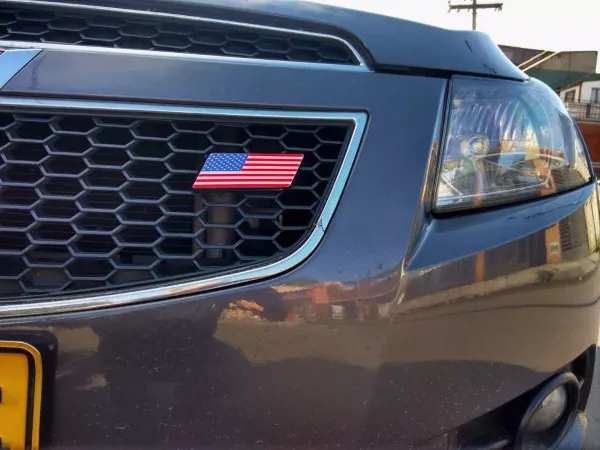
474,6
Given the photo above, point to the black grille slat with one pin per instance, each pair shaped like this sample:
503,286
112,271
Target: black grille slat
115,206
27,23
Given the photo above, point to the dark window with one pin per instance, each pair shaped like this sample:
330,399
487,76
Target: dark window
570,96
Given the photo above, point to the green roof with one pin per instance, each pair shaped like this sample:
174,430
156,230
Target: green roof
558,79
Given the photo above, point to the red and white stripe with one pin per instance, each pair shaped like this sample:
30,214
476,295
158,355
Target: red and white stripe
259,171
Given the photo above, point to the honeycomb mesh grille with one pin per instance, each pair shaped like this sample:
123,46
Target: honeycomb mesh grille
94,202
79,27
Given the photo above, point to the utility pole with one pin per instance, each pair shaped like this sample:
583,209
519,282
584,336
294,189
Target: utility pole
474,6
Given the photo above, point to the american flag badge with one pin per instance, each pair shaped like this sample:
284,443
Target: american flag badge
243,171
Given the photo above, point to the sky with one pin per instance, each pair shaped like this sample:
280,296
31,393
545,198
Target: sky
545,24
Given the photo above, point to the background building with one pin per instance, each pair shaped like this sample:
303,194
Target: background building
578,61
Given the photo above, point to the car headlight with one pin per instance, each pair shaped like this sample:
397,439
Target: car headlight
506,142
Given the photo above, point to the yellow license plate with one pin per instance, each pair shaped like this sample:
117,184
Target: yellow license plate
20,395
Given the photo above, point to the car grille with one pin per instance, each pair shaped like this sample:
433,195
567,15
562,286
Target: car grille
134,32
93,201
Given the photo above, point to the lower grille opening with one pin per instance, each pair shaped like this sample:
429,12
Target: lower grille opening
90,201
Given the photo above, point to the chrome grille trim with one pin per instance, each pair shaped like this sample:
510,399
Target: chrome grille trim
362,66
178,289
12,61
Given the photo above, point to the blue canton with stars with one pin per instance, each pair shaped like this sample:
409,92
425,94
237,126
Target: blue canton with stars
224,162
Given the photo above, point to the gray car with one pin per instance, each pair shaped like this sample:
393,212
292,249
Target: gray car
281,225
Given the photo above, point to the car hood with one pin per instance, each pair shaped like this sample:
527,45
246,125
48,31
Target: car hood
391,43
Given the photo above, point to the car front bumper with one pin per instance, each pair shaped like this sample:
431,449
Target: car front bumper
385,357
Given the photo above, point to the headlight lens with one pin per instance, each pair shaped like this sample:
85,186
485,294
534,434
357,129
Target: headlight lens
507,141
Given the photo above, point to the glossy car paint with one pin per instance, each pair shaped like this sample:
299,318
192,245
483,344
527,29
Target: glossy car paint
399,328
